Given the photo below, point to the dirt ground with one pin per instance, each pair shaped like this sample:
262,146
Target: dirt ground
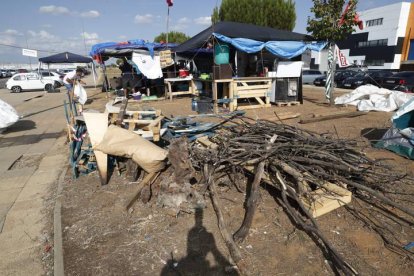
101,238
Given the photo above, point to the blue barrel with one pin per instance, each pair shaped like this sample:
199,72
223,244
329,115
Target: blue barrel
221,54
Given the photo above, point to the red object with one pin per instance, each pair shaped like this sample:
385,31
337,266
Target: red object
356,18
182,73
402,82
170,3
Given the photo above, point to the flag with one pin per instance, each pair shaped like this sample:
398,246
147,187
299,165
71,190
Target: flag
356,20
170,3
341,58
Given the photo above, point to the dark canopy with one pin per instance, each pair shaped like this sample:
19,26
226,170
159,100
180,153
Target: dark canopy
240,30
65,57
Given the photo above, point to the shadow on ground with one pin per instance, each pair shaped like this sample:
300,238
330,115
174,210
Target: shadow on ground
200,243
21,125
373,134
27,139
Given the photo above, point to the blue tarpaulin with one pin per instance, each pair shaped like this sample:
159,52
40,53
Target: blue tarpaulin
283,49
108,48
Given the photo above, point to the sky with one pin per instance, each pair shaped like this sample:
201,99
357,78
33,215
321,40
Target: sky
53,26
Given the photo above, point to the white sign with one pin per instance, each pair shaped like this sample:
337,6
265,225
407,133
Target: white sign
289,69
29,53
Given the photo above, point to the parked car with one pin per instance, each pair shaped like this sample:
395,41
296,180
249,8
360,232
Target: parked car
12,71
56,77
22,71
308,76
2,73
402,81
29,81
338,78
371,77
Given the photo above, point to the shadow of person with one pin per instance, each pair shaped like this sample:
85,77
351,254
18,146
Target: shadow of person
200,243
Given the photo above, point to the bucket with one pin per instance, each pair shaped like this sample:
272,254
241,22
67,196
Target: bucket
221,54
204,105
183,73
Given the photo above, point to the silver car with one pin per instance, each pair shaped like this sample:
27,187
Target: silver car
308,76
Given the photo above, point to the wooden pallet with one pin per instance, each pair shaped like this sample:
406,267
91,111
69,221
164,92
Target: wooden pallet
280,104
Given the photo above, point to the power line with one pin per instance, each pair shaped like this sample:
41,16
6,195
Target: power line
19,47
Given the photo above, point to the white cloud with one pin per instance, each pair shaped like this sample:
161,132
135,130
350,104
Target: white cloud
90,38
144,19
205,20
183,20
12,32
90,14
55,10
8,40
41,35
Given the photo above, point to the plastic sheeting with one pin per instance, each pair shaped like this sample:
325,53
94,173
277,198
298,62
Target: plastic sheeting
398,141
372,98
150,67
283,49
8,115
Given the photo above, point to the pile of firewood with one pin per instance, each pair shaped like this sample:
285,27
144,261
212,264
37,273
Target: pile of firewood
297,162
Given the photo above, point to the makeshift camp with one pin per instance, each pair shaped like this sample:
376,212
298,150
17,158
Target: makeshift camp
252,77
143,56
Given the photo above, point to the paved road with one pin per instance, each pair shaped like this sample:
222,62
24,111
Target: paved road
31,158
3,83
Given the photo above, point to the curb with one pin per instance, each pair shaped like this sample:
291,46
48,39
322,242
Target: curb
58,265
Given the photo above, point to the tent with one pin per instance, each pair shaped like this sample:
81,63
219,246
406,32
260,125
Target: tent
103,51
240,30
400,136
65,57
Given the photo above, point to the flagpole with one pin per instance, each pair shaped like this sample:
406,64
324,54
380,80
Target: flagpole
168,23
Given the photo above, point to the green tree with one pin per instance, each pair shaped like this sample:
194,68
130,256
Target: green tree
173,37
332,24
279,14
326,23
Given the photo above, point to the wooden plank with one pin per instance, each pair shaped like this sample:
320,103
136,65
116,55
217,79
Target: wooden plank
122,111
324,202
97,124
259,100
332,116
253,87
251,94
147,180
246,107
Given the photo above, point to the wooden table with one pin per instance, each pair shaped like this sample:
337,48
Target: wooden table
255,88
192,89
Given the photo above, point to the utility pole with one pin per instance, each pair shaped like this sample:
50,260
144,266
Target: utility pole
27,45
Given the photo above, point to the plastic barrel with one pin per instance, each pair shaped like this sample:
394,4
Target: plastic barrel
221,54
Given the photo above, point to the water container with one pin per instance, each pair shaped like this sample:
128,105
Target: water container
221,54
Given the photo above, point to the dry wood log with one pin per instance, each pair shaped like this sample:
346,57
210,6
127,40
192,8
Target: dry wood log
332,116
251,205
228,239
147,180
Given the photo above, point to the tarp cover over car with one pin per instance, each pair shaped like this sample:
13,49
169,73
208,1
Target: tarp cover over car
65,57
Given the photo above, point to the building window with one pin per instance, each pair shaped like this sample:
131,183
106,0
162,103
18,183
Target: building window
372,43
374,22
374,62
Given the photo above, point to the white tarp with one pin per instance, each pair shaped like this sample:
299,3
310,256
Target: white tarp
8,115
372,98
150,67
